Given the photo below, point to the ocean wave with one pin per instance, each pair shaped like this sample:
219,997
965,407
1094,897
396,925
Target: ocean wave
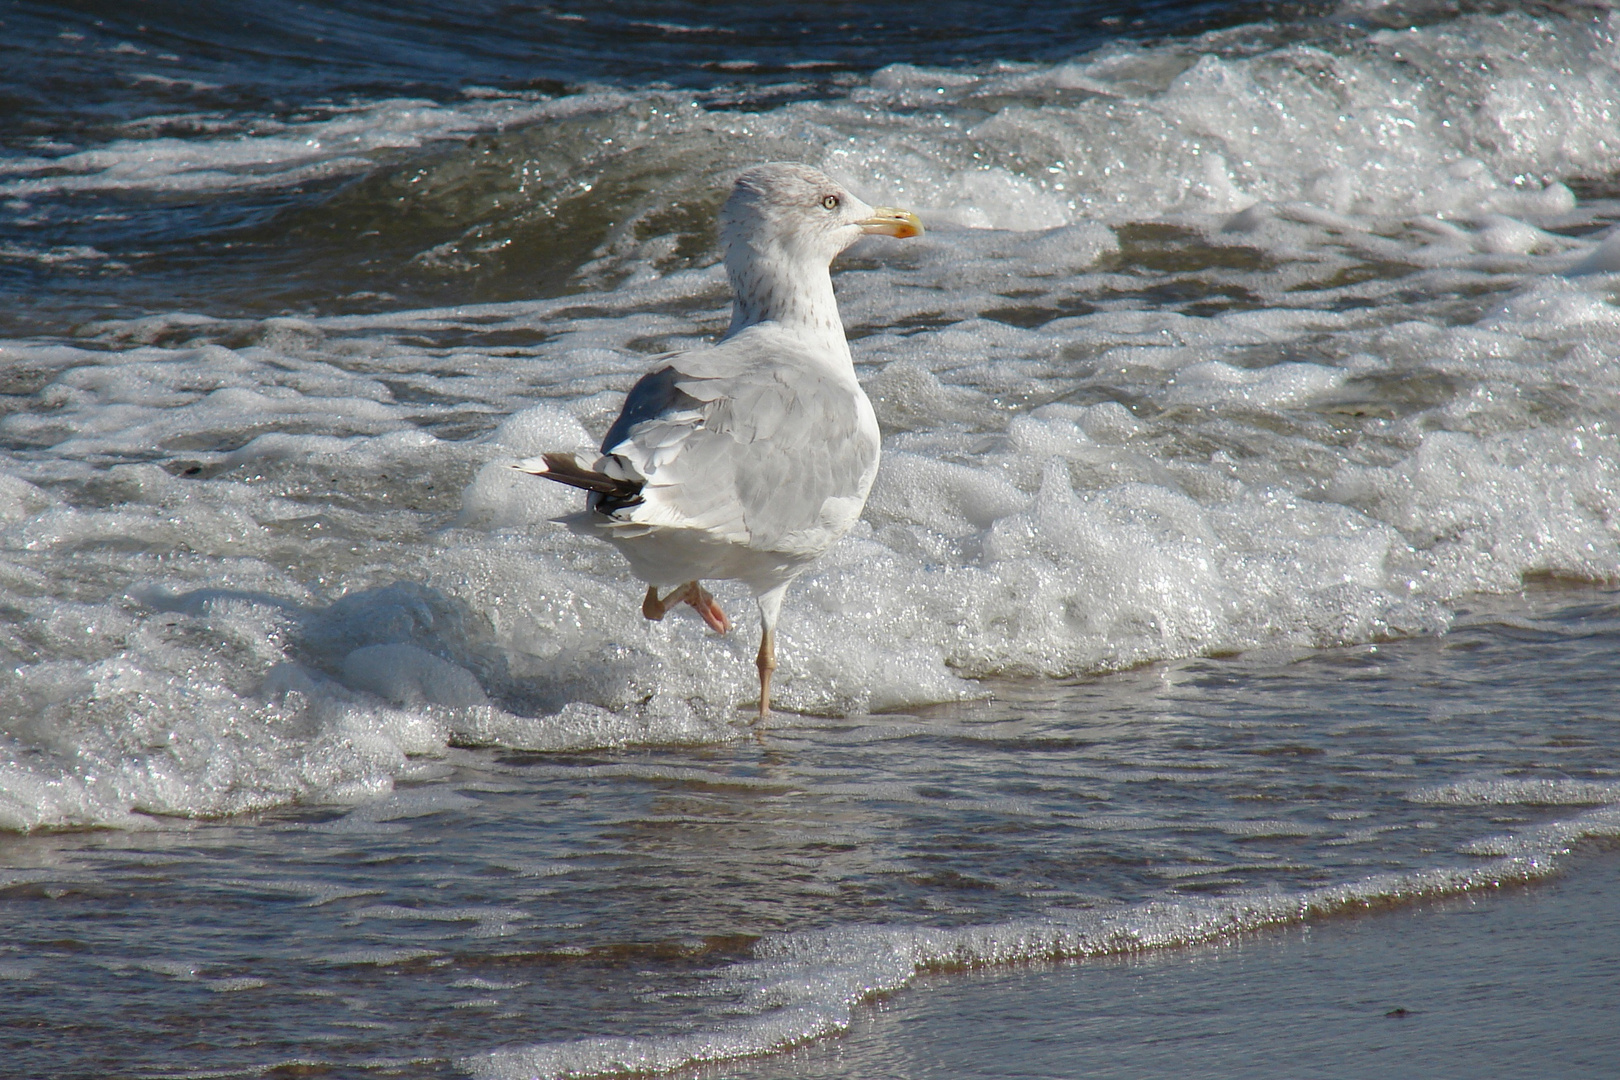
256,561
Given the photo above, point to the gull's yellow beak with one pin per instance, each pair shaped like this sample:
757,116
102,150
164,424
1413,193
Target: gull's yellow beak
890,221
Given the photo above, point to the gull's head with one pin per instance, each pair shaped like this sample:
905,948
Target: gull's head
785,212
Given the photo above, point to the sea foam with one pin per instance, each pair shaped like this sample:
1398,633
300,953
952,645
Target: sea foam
1211,346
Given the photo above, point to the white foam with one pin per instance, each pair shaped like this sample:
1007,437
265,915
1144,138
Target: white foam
1281,385
379,957
408,675
267,153
260,561
499,497
1057,540
1397,122
1513,792
1604,259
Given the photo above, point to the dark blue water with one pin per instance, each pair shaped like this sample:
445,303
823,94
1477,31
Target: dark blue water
79,70
75,77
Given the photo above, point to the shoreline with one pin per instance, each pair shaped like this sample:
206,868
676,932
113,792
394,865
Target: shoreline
1517,981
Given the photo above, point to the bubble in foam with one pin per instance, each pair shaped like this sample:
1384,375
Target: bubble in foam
1280,385
500,497
271,155
1559,791
408,675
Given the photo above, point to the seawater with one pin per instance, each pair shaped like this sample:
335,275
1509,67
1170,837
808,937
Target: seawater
1243,553
516,914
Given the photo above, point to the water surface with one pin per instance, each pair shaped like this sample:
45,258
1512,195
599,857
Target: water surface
1243,556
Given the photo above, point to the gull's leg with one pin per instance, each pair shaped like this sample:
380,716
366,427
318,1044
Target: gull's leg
766,662
653,608
691,593
770,606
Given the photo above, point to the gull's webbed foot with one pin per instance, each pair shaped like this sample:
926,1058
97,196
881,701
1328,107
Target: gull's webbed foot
705,606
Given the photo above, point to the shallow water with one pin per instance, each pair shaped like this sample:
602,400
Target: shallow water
1243,554
715,901
1517,984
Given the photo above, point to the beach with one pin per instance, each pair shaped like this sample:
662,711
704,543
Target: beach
1219,681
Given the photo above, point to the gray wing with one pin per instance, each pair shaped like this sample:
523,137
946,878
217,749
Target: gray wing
653,396
755,441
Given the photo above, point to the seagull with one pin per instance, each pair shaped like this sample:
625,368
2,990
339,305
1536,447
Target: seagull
745,461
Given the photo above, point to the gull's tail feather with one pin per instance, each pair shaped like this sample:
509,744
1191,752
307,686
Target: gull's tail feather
566,469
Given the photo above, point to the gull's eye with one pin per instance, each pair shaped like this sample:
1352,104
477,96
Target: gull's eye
830,202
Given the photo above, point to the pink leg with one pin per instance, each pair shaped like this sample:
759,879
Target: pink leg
705,606
691,593
766,662
653,608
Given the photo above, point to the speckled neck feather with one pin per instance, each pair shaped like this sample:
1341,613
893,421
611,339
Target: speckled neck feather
779,244
797,294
